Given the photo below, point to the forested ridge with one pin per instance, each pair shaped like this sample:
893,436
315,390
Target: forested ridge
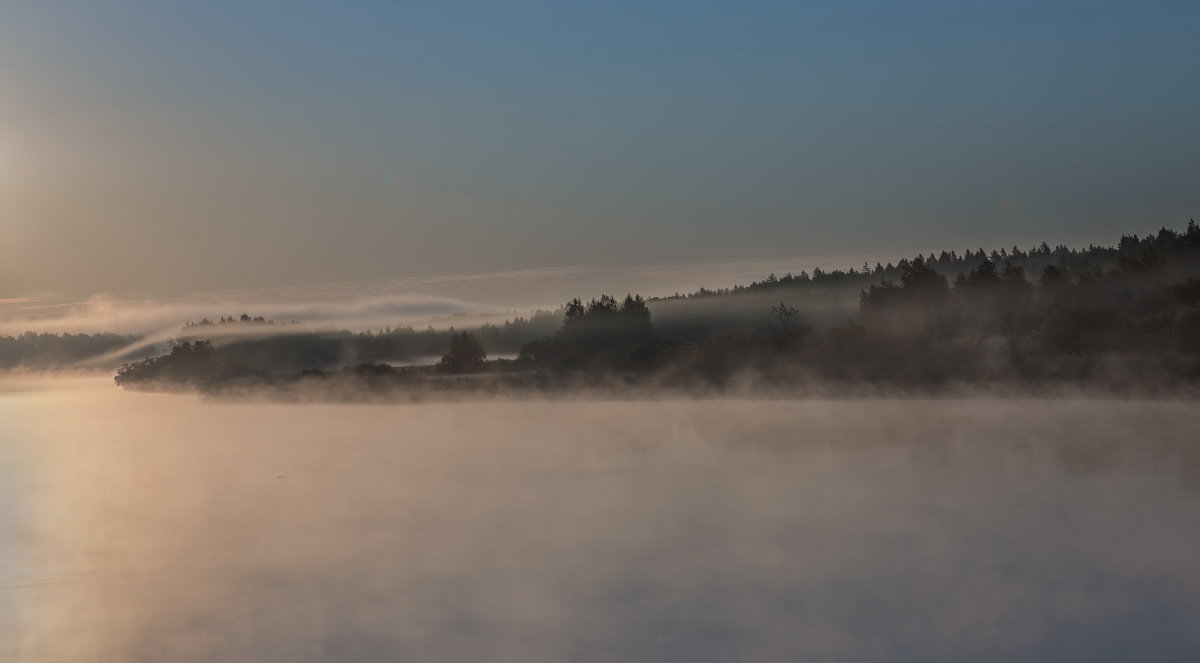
32,350
1112,317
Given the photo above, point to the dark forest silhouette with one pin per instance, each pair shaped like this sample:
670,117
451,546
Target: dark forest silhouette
464,354
41,351
1128,314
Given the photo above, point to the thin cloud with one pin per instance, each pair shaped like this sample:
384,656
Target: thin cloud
414,301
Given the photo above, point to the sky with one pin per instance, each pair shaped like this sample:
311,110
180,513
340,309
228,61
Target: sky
156,149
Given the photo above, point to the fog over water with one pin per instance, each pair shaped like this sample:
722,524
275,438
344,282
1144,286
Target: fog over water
156,527
414,301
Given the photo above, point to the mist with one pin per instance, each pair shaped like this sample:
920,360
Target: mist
149,527
412,331
374,304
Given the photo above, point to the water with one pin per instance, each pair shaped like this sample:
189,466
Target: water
142,527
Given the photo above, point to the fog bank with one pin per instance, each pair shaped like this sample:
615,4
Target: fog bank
149,527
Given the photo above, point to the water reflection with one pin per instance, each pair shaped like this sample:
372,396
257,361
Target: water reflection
151,528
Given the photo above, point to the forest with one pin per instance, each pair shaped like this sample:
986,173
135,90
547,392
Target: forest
1113,318
37,351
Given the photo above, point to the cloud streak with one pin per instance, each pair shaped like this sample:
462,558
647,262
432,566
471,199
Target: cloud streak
400,301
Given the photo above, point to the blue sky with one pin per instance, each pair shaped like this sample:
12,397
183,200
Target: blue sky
152,148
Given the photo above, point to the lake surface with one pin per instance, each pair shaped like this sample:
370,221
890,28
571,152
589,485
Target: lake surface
148,528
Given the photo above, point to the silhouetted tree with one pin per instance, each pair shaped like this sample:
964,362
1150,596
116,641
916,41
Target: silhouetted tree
783,326
465,353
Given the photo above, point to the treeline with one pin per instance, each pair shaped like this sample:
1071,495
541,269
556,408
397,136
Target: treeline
830,298
1115,318
604,333
1092,260
238,320
260,344
42,351
284,351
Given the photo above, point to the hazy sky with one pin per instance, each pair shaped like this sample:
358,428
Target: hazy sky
151,148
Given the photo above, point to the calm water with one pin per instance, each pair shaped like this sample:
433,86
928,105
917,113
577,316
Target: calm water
164,528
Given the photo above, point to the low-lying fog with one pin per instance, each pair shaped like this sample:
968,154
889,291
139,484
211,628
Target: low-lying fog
151,527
